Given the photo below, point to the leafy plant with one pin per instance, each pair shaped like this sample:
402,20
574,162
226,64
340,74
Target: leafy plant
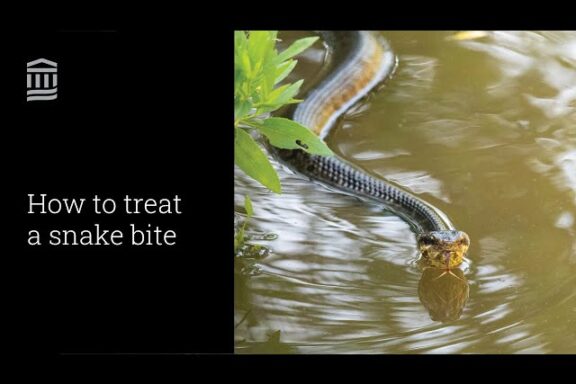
258,90
246,253
240,238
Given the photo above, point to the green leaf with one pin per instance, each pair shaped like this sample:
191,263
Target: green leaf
257,44
248,206
250,158
287,95
238,81
239,239
275,94
288,134
239,40
296,47
284,69
241,62
260,44
241,108
265,80
269,69
244,61
280,96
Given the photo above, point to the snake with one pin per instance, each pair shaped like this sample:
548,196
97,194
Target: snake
359,62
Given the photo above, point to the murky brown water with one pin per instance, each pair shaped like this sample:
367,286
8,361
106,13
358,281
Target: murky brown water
485,129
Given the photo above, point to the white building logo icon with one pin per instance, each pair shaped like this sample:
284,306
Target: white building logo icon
42,80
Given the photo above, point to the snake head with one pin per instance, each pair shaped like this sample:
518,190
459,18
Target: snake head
443,249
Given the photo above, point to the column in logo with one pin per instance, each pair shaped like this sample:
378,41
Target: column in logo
41,80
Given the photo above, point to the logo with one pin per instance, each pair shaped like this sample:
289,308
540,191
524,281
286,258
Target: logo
41,80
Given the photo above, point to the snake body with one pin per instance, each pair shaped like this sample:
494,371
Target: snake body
360,61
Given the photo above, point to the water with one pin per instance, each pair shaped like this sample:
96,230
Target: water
484,129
